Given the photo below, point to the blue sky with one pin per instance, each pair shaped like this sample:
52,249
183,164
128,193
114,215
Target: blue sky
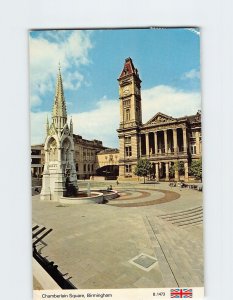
168,61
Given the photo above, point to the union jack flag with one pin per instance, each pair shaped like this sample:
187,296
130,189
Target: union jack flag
181,293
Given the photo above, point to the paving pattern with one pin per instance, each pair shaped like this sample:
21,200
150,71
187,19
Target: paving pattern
136,198
179,251
96,244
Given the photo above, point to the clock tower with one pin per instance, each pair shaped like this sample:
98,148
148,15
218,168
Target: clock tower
130,96
130,118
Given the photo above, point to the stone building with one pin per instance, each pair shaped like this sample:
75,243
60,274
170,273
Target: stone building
86,156
164,140
89,156
37,160
107,163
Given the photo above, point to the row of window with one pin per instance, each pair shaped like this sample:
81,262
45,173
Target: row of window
128,150
86,168
86,153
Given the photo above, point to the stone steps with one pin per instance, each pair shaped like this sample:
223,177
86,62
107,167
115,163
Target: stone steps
183,218
183,212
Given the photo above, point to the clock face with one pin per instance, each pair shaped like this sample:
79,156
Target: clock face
125,90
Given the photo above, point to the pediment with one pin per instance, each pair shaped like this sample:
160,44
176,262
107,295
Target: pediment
160,118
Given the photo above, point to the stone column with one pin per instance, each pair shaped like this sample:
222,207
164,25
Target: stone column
165,139
147,144
167,171
197,143
157,171
175,140
122,148
156,143
177,175
184,140
139,145
186,171
134,146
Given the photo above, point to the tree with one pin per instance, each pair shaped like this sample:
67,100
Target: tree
196,168
172,171
143,168
177,166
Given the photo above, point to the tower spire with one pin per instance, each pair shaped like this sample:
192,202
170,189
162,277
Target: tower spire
59,114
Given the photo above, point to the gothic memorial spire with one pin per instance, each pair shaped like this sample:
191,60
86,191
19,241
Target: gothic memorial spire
59,114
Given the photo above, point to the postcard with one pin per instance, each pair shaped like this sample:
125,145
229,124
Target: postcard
116,163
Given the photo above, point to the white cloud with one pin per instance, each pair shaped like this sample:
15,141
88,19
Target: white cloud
68,49
35,100
38,127
101,123
170,101
192,74
73,81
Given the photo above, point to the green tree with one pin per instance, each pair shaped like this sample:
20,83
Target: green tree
143,168
180,167
177,166
196,168
172,171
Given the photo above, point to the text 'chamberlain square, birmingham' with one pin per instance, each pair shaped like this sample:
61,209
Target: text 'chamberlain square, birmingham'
163,140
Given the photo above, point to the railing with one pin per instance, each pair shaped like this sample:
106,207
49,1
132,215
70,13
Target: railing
38,234
180,153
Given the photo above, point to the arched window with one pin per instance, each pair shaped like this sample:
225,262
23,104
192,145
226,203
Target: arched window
52,149
127,114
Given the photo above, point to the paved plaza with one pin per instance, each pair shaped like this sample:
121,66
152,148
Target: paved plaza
151,236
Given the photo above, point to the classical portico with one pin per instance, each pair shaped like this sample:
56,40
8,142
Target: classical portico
163,140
